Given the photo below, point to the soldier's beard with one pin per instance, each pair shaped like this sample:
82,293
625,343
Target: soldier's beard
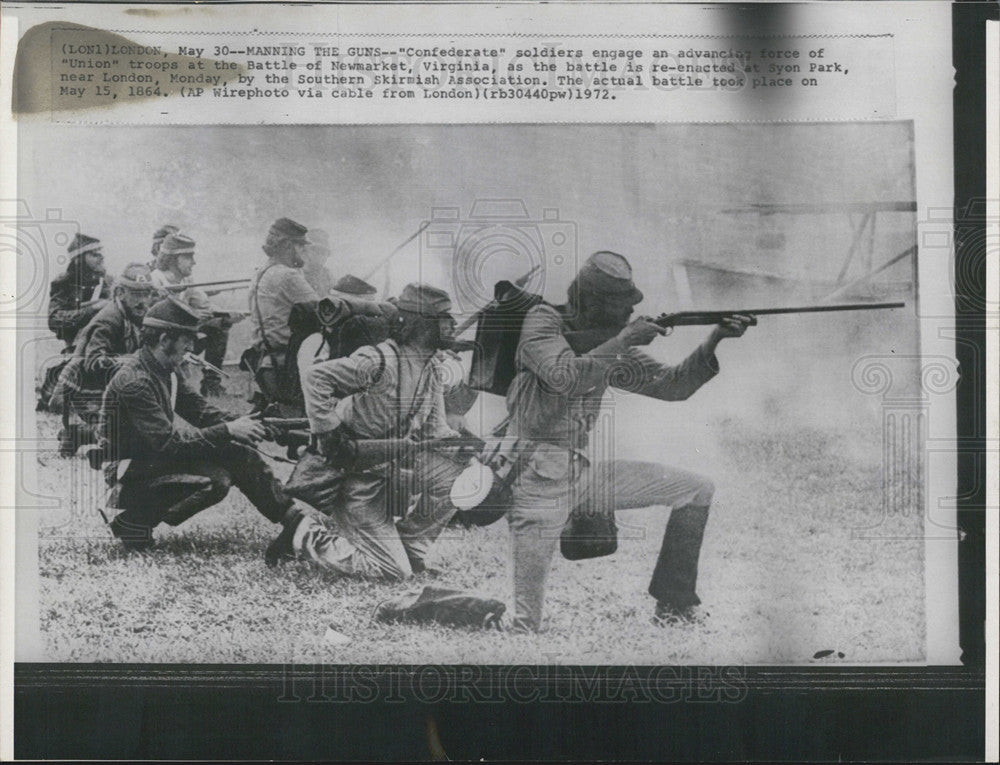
133,316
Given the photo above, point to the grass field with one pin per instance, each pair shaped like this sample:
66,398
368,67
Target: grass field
798,557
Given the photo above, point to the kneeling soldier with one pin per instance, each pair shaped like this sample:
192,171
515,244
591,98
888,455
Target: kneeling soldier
100,347
394,390
167,474
554,403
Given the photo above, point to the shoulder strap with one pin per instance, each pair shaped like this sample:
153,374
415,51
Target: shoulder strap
260,318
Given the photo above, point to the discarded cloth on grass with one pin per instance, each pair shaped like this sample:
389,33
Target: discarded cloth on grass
440,605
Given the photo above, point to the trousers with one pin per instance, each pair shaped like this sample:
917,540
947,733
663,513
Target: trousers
176,501
554,481
362,537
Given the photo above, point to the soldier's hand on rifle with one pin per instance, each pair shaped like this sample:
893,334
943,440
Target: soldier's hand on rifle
272,432
732,326
247,429
641,331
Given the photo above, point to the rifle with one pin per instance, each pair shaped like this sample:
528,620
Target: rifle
361,454
584,341
182,287
293,432
286,423
220,290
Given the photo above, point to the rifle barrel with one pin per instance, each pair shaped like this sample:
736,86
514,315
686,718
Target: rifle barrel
182,287
820,308
666,318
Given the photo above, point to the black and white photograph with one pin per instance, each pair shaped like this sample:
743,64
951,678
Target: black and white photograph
527,382
615,393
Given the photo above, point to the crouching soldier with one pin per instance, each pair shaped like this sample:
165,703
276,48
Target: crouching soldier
100,347
394,390
74,298
167,474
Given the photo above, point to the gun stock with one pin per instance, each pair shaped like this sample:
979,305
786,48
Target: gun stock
286,423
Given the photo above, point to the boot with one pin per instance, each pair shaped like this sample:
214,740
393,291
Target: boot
134,538
281,548
676,572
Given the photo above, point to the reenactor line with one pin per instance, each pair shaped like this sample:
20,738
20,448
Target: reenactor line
369,398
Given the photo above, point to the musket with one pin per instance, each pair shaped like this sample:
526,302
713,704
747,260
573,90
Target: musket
363,453
182,287
293,432
286,423
692,318
584,341
518,283
213,293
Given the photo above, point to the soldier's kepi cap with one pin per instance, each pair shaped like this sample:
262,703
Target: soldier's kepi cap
424,300
608,274
162,233
82,244
135,277
171,313
352,285
177,244
286,228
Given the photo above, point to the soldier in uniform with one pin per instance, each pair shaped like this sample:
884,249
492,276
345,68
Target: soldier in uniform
78,294
174,266
314,268
553,403
395,389
277,286
74,297
167,474
350,317
100,346
161,233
